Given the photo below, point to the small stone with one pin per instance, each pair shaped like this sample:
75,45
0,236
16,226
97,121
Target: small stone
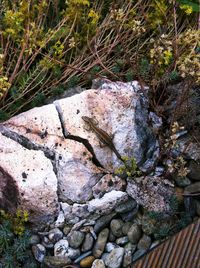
104,256
182,181
60,220
127,260
75,238
194,171
197,206
55,235
114,258
100,243
61,247
87,243
122,240
126,227
83,256
130,246
87,262
110,246
126,206
144,242
34,239
134,234
47,243
39,252
73,253
103,221
116,227
138,254
193,188
56,261
66,230
98,264
129,216
111,237
154,244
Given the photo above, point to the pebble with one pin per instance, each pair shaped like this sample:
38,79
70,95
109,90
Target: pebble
111,237
110,246
114,258
197,207
55,235
60,220
127,260
116,227
122,240
34,239
56,261
61,247
134,233
193,188
99,245
84,255
66,230
73,253
194,169
75,238
182,181
98,264
103,221
130,246
144,242
39,252
127,206
47,243
87,243
129,216
87,262
138,254
126,227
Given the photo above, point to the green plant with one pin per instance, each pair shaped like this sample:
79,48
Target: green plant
14,241
162,225
129,168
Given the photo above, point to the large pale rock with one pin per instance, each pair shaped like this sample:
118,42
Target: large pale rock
107,203
153,193
27,181
120,109
55,137
75,171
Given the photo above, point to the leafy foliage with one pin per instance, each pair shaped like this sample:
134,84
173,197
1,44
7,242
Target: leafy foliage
14,241
46,45
162,225
129,168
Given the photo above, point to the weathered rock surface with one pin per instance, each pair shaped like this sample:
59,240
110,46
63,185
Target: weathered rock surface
27,181
152,193
58,157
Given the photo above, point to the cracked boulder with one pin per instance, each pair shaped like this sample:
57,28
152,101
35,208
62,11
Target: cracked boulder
71,152
27,181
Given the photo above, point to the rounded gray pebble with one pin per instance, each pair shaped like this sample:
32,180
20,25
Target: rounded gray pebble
75,238
116,227
114,258
98,264
100,244
145,242
134,234
39,252
34,239
122,240
55,235
126,227
87,243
